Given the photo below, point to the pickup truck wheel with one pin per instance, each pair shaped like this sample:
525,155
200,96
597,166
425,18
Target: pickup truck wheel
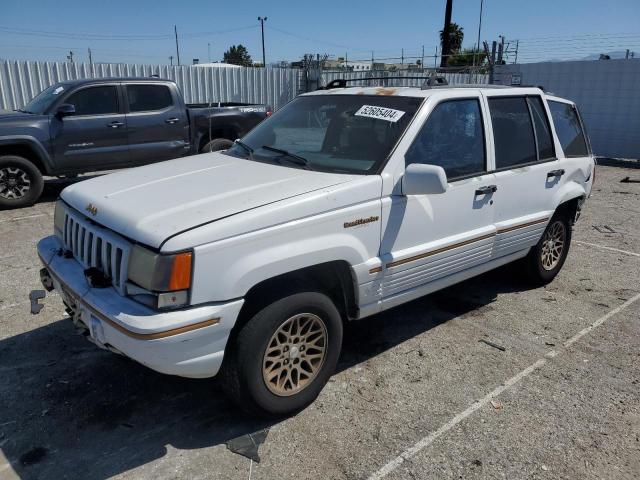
545,260
217,145
284,355
21,182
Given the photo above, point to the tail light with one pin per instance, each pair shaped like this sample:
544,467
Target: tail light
269,111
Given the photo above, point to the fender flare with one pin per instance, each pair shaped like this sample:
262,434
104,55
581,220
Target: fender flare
32,143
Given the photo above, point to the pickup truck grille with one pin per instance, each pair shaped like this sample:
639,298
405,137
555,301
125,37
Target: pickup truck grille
95,246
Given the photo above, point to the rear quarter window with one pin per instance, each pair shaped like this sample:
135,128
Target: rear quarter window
569,129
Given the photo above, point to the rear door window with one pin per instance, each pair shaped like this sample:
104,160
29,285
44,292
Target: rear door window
452,138
542,129
147,98
95,101
513,133
568,128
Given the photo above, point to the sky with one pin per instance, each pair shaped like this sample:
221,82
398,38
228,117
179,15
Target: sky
141,31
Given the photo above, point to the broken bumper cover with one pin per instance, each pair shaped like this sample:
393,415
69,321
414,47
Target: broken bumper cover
188,342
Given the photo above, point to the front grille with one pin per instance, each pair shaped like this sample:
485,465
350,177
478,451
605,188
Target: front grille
96,246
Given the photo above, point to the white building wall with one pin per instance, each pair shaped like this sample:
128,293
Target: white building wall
607,93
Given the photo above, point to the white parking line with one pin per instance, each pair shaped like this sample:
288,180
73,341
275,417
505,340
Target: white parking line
429,439
25,217
595,245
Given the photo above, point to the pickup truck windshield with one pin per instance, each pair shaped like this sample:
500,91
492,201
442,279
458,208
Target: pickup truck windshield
332,133
44,99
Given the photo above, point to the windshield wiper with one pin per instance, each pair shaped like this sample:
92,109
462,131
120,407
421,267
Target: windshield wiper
245,147
297,159
22,111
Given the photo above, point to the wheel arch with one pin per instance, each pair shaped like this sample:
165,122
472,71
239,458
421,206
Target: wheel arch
29,149
336,279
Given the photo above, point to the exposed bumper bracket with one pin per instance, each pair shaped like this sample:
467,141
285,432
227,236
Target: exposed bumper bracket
34,297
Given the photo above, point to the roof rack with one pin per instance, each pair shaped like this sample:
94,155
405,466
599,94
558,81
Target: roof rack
429,82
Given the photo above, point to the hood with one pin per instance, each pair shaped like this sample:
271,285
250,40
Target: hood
150,204
12,114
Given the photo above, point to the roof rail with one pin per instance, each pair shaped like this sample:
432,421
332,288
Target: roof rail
429,82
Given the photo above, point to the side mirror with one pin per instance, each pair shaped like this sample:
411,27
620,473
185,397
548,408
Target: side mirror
421,179
65,109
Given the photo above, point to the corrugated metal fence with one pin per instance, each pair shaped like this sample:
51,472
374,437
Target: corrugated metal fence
452,78
20,81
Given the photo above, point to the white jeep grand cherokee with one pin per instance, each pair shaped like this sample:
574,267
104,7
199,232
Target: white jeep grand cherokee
346,202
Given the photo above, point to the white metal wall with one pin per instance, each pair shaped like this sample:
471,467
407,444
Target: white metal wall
607,93
20,81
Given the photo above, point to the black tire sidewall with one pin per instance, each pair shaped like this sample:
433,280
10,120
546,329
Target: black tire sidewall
252,343
37,182
217,145
539,272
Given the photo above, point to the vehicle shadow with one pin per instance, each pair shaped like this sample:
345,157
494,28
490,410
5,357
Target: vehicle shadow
70,410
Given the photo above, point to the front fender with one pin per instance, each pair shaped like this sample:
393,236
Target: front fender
227,269
34,145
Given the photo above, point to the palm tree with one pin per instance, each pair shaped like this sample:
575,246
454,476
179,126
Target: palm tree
456,35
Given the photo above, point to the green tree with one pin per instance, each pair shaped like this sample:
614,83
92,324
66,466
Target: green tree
456,35
238,55
465,58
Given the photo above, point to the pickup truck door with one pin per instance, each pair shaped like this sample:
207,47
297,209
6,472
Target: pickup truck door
157,123
528,172
426,238
95,137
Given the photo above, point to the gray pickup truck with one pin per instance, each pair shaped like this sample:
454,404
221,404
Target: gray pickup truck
90,125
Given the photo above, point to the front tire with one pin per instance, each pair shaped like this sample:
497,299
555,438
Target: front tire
217,145
546,258
284,355
21,182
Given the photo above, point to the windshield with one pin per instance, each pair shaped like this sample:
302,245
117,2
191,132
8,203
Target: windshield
44,99
332,133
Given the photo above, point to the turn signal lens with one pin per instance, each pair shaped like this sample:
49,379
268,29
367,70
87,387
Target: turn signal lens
181,272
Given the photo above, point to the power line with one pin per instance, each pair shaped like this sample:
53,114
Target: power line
115,37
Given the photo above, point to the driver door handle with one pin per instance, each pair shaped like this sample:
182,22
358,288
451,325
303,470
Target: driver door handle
489,189
115,124
172,120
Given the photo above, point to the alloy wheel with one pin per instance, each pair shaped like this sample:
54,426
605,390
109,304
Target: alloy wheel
553,243
14,183
295,354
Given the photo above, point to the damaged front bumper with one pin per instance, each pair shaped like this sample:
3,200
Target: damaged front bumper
188,342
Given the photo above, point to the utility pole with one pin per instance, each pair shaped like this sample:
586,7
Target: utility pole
70,56
264,60
209,51
346,61
446,33
171,59
517,45
422,61
175,30
402,58
479,29
500,50
90,60
372,60
435,58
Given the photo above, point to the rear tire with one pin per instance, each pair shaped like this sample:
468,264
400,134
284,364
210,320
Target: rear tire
216,145
546,258
284,355
21,182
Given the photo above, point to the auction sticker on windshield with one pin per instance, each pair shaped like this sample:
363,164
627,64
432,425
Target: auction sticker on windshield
381,113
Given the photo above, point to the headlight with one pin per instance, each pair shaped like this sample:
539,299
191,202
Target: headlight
166,277
58,220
